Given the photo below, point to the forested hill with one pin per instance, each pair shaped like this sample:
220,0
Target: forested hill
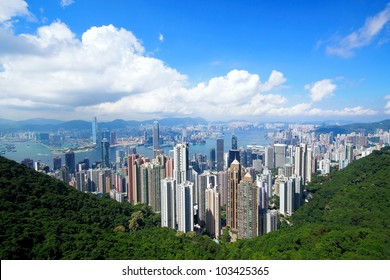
41,218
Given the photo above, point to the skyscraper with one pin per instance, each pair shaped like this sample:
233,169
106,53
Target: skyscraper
247,209
57,163
105,153
280,155
219,154
205,180
213,204
269,157
185,207
234,142
234,178
181,163
168,203
156,135
70,161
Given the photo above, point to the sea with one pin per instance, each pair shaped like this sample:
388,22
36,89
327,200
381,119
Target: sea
43,154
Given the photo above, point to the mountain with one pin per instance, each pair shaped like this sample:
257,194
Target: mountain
345,129
41,218
49,125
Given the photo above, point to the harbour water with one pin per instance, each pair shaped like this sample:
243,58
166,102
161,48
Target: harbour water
39,152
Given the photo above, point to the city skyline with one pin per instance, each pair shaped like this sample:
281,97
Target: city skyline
264,61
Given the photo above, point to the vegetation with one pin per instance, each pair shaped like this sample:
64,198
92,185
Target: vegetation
345,129
41,218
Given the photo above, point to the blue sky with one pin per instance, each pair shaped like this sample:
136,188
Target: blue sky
220,60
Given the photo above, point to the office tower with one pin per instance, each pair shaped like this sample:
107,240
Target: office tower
272,220
94,131
219,154
234,178
181,163
185,207
205,180
283,197
105,153
113,138
168,203
156,135
269,157
169,168
280,155
212,158
233,154
70,161
64,174
247,209
213,219
222,186
234,142
57,163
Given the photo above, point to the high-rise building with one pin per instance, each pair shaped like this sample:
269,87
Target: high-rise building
168,203
222,186
105,153
94,131
272,220
269,157
156,135
185,207
154,186
219,154
213,219
205,180
70,161
280,155
234,142
234,178
181,163
28,162
57,163
247,209
212,158
233,154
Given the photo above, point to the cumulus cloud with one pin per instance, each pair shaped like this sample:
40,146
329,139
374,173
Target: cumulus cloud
345,46
106,72
321,89
12,8
65,3
387,106
161,38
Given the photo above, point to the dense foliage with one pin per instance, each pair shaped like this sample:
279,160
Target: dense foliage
41,218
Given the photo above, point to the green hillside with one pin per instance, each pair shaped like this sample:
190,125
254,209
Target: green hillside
349,128
41,218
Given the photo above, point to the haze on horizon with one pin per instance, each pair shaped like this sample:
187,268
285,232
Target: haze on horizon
223,60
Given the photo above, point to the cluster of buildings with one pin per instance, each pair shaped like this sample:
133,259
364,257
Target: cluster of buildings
191,193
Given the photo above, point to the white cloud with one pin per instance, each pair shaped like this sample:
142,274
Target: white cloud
387,106
161,38
321,89
345,46
65,3
12,8
107,73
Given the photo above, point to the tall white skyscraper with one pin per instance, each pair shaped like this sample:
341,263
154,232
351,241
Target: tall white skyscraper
184,207
272,220
180,163
213,204
168,203
205,180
